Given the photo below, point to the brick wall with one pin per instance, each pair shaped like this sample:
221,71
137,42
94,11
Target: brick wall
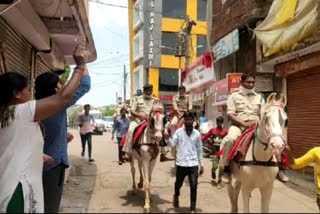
230,14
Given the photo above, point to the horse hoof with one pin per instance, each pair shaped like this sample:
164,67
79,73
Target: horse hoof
140,185
146,210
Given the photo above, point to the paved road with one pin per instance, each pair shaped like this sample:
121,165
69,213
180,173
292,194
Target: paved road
104,186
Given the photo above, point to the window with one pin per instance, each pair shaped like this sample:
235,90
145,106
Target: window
175,9
202,10
169,42
137,15
168,79
138,46
201,44
138,78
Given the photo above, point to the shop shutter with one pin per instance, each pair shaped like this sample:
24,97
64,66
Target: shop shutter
18,50
304,112
41,67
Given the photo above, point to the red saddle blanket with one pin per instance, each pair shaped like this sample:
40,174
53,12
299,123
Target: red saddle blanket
180,123
139,131
241,147
123,141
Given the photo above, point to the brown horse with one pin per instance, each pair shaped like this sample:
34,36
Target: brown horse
147,150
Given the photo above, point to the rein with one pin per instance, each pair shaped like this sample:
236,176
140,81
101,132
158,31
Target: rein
256,162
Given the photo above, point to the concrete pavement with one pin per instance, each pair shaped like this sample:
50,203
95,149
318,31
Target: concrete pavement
104,186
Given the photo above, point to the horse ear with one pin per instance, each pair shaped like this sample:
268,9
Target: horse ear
272,98
283,100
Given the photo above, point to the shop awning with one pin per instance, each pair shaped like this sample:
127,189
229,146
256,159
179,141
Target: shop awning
288,23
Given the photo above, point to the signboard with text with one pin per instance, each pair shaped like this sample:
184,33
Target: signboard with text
227,45
199,74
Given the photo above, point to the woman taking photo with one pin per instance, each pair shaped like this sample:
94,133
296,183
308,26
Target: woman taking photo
21,140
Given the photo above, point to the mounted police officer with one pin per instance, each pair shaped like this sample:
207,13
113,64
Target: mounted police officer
244,108
181,104
141,107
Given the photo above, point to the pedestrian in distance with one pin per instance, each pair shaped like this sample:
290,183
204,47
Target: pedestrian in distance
85,122
121,126
21,147
187,141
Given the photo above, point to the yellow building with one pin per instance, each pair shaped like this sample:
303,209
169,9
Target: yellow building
153,28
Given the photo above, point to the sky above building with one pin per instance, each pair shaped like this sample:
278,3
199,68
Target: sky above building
109,26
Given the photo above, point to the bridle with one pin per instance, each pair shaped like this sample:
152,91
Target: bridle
257,139
156,112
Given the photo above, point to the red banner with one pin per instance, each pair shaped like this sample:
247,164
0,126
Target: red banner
234,81
166,97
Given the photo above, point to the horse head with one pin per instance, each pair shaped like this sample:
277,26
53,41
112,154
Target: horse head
274,123
157,121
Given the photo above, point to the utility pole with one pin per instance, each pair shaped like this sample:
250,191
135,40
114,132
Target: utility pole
180,53
124,84
187,31
183,44
117,97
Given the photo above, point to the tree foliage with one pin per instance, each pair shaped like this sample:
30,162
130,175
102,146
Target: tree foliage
108,111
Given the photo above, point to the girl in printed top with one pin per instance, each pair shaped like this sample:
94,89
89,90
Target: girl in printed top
21,146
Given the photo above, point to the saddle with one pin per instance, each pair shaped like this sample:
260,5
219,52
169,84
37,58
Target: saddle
242,145
179,125
138,131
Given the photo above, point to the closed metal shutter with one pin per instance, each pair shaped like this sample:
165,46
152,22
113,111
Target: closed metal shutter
41,67
304,111
18,50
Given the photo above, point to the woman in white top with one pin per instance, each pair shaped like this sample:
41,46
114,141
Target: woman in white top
21,141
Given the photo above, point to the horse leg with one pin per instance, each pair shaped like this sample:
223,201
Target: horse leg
266,193
140,184
151,167
233,192
146,167
133,173
246,192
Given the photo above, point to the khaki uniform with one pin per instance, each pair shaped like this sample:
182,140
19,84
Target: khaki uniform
140,105
180,104
247,108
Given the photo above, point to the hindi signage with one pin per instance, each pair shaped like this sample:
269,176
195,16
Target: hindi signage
227,45
199,74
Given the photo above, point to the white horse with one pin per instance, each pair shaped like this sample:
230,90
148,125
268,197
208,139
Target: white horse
259,168
146,152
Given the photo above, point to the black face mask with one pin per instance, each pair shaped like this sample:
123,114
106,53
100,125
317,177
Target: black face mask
189,128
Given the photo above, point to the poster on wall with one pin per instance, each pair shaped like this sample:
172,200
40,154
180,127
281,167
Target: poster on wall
234,81
227,45
222,88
